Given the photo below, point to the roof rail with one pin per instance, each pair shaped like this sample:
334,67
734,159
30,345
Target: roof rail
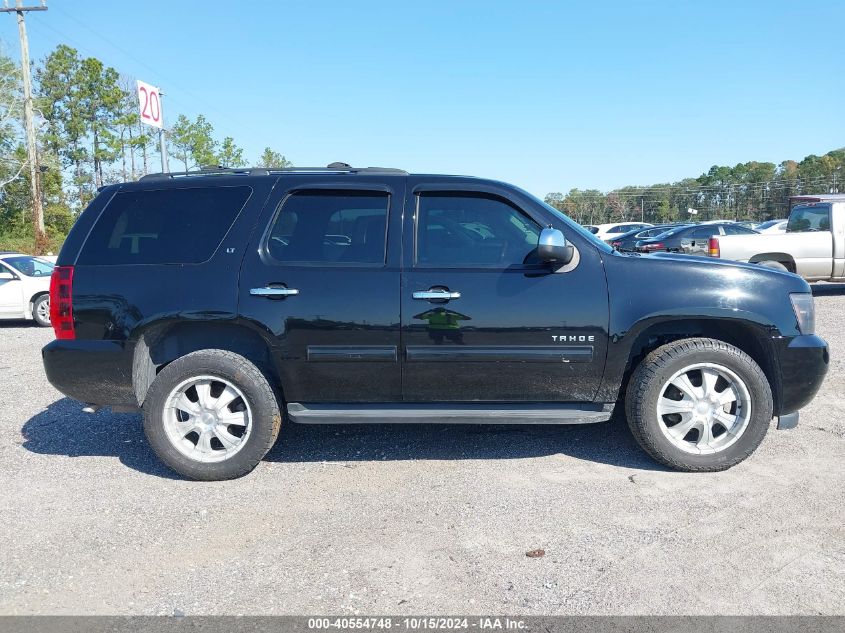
333,168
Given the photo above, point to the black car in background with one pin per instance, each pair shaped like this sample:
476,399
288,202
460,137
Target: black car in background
628,241
690,240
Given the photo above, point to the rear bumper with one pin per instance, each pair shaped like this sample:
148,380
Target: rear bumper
803,366
94,372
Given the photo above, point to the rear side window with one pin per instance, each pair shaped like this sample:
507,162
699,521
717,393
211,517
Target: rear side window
331,228
163,226
736,229
704,231
809,218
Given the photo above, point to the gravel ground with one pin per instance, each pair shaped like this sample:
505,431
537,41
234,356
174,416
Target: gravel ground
393,519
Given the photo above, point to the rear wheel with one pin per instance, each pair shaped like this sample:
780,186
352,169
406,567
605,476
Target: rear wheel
211,415
699,405
41,310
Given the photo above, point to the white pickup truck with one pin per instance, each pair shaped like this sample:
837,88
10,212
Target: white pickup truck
813,245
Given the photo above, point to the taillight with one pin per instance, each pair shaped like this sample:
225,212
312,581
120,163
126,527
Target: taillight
653,247
713,247
61,302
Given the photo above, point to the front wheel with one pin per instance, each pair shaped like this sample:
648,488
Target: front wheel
41,310
699,405
211,415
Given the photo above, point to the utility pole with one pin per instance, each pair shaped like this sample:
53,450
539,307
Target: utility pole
162,143
31,150
642,210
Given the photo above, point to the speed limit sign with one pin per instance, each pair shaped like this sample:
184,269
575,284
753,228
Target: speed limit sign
149,101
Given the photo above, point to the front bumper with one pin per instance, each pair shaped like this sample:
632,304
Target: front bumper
803,365
94,372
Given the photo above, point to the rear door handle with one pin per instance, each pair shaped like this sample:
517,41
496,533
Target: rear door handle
436,293
271,292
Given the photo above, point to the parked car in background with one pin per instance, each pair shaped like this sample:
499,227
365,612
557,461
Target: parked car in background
813,245
25,287
607,232
772,227
592,229
691,239
628,241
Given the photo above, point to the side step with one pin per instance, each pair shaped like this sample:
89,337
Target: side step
490,413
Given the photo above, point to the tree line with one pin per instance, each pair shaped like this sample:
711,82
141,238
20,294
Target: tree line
747,191
89,134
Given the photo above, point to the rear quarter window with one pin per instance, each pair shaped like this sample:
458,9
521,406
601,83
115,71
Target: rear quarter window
163,226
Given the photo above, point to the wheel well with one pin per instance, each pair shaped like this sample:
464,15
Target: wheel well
36,295
162,344
783,258
750,338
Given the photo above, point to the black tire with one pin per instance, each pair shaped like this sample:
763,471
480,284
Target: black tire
659,366
259,394
770,263
41,303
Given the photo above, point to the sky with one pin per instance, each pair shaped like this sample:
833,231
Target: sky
546,95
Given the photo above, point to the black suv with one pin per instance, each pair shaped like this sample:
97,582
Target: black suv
224,302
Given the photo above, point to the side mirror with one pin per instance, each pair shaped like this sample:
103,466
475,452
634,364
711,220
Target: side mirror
553,248
6,276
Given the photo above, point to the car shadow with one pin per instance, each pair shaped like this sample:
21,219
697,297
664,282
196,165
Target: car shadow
63,429
827,290
18,323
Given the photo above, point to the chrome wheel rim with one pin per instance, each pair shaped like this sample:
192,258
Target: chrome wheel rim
704,408
43,310
207,419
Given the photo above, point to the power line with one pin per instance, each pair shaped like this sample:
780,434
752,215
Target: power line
137,60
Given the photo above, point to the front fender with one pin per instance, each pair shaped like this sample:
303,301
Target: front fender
676,296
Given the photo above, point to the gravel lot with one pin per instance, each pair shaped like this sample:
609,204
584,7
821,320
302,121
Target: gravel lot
392,519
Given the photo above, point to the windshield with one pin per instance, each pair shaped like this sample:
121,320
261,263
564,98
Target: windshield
768,224
670,232
30,266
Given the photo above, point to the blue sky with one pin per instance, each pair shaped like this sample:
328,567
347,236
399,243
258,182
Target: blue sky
547,95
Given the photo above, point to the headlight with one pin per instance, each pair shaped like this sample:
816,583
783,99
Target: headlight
805,312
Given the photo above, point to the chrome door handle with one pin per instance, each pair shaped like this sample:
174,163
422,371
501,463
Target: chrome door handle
436,294
273,292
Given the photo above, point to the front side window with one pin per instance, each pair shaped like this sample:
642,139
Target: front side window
472,230
809,218
30,266
330,227
164,226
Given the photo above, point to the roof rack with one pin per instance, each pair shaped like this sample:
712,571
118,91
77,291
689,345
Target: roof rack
333,168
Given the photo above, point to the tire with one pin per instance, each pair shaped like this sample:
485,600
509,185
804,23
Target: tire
227,399
41,310
653,385
769,263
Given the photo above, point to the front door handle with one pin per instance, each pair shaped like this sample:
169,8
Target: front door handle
271,292
436,293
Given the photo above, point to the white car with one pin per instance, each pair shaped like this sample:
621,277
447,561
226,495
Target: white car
775,227
25,287
607,232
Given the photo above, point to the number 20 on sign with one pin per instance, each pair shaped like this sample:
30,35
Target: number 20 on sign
149,101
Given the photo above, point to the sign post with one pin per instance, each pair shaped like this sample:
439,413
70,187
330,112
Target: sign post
149,102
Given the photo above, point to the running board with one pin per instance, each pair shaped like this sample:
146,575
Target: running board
448,413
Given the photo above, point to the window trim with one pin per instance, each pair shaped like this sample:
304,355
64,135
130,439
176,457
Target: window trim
419,191
326,188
